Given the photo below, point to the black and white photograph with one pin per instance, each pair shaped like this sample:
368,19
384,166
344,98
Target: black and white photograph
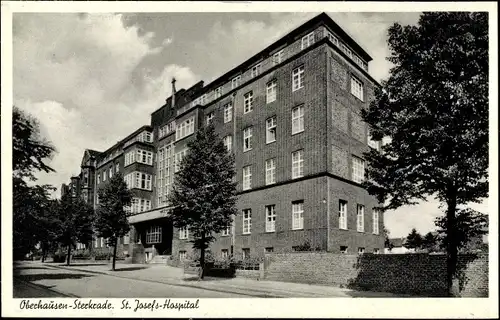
163,157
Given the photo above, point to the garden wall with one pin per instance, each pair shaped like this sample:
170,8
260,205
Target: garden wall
417,274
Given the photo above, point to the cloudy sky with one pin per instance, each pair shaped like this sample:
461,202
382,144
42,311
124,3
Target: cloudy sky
92,79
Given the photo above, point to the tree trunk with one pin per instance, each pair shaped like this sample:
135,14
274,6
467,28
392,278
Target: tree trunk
69,255
43,253
114,254
202,257
451,250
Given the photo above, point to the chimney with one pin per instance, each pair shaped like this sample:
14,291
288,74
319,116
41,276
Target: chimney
173,93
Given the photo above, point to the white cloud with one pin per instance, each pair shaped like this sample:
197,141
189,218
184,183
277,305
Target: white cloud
74,73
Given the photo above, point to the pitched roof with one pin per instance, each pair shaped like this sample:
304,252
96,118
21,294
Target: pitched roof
94,153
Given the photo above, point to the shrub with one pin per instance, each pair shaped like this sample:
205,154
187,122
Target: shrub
82,255
59,257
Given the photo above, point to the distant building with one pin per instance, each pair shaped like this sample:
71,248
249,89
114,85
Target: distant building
397,246
291,116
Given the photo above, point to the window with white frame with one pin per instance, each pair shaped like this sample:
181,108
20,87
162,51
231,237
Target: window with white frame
166,129
110,172
248,102
247,177
271,130
307,40
271,91
245,253
247,221
360,221
228,112
270,171
361,250
235,82
358,169
182,255
138,180
376,251
277,57
255,70
178,159
218,92
185,128
226,231
271,218
183,233
117,167
153,234
228,142
247,139
298,215
297,164
98,178
343,214
104,176
357,88
375,221
145,157
297,119
209,118
145,205
298,78
224,253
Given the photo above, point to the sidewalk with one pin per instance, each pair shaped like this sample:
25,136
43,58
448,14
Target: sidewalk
259,288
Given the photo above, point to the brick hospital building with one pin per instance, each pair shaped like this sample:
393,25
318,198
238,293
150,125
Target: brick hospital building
291,116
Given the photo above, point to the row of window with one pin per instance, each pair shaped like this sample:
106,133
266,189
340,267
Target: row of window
108,173
166,129
138,180
144,136
138,205
360,218
139,155
347,51
185,128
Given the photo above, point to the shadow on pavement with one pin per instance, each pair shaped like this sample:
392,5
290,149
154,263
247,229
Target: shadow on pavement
76,265
29,268
51,276
131,268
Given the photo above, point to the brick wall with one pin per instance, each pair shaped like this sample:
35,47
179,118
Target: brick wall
418,274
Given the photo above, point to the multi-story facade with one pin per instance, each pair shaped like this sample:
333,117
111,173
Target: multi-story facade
291,116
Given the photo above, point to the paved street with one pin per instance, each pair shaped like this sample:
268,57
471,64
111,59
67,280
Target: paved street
54,282
155,281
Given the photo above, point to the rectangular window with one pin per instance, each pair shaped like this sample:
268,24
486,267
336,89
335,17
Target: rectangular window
255,70
270,171
228,142
298,215
271,130
269,250
297,164
372,143
117,167
297,119
307,40
224,253
297,78
375,222
218,92
209,118
126,238
183,233
153,234
248,102
247,221
228,113
99,178
358,169
343,214
343,249
178,159
247,139
271,218
376,251
226,231
144,156
361,250
104,175
246,253
357,88
360,218
235,82
185,128
110,172
182,255
277,57
247,177
271,91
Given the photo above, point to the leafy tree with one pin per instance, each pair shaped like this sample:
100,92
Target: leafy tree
111,218
430,242
204,191
29,154
74,220
470,224
413,240
434,110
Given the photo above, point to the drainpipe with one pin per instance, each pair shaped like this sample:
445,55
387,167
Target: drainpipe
233,142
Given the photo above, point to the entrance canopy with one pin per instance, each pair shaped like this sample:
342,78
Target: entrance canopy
150,215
